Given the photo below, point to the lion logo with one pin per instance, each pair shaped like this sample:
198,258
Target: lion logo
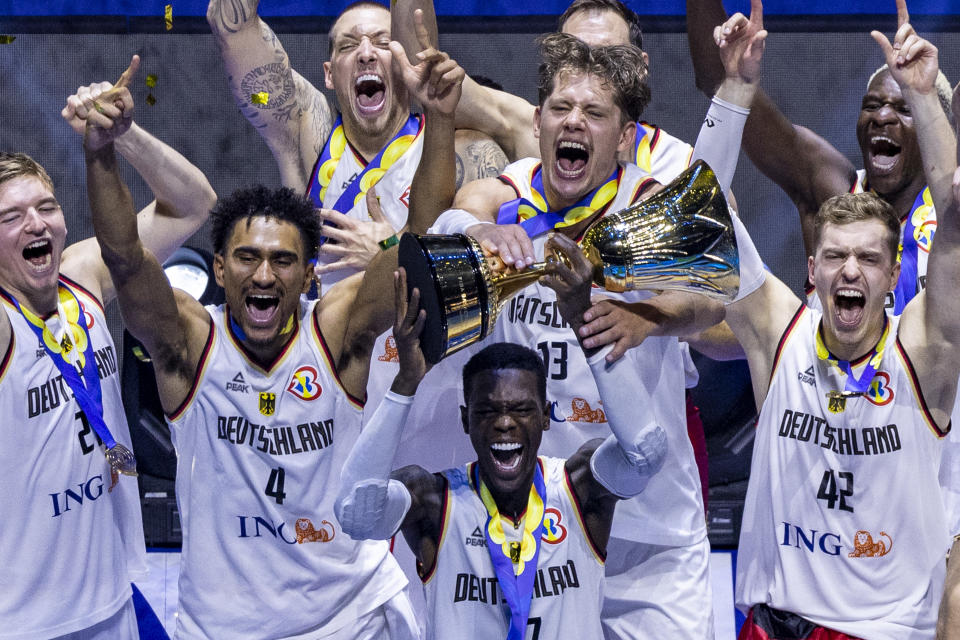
390,353
865,547
307,533
582,412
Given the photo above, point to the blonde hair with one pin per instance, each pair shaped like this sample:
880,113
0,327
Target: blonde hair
15,165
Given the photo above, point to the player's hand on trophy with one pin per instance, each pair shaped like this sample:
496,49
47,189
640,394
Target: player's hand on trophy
408,324
108,115
508,243
568,273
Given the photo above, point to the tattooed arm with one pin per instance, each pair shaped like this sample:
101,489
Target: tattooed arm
296,119
478,157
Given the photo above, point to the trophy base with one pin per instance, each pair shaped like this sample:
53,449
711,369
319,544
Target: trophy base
453,291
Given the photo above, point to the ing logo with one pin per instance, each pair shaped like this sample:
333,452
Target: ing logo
390,353
304,383
553,531
268,403
306,532
880,392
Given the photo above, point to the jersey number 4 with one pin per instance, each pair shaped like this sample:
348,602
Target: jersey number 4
274,487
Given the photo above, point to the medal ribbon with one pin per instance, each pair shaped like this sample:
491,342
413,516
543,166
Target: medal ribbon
534,217
643,157
372,172
854,384
86,386
515,565
906,287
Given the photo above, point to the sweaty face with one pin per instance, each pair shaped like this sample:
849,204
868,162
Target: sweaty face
598,28
360,72
888,141
581,134
32,236
853,271
505,419
263,271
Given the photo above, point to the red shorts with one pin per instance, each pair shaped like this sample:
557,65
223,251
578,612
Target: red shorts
808,631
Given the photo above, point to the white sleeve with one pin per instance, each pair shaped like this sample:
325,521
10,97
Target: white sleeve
370,505
752,270
636,450
719,141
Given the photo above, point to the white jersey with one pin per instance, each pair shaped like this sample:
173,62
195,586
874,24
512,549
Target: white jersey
843,523
259,458
463,596
660,154
69,546
670,510
392,188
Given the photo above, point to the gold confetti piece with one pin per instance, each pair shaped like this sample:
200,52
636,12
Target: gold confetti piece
7,39
152,80
151,100
259,98
168,16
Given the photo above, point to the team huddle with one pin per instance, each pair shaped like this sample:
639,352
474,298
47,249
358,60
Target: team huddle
574,507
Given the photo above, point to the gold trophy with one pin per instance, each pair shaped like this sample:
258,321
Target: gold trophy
680,238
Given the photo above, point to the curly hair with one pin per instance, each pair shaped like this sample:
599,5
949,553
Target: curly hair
621,67
282,204
854,207
15,165
617,7
505,355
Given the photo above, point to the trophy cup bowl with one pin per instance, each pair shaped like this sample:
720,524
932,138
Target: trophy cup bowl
680,238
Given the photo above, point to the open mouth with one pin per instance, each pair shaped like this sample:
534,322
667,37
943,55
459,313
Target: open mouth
506,455
849,304
571,159
371,93
884,153
262,308
39,254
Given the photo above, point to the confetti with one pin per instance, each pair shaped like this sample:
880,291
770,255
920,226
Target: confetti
152,80
151,100
168,16
259,98
7,39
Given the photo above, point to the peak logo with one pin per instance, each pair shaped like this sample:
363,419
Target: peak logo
880,391
807,376
238,384
304,383
475,539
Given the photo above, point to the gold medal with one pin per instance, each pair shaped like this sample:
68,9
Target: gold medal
837,400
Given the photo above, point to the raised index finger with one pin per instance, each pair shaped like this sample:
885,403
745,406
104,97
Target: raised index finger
756,12
423,36
128,74
903,16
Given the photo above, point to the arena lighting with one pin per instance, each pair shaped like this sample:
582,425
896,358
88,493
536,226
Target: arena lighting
192,271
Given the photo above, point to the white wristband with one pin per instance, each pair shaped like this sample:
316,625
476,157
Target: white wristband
454,221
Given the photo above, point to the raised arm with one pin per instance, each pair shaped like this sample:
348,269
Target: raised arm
371,504
621,466
506,118
807,167
296,119
930,332
173,327
183,196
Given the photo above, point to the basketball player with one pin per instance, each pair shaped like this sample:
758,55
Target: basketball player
834,543
335,157
548,567
72,541
263,397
